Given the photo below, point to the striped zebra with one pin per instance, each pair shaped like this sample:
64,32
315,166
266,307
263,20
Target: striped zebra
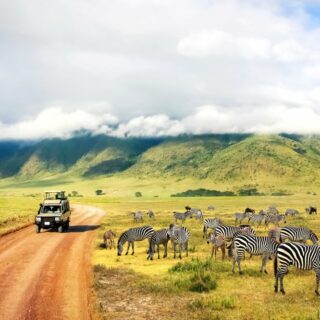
228,232
291,212
137,216
299,255
179,236
272,210
197,213
182,215
262,246
256,218
132,235
239,217
159,237
210,223
210,207
275,219
300,234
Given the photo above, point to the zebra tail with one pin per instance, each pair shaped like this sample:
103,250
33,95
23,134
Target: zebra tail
275,264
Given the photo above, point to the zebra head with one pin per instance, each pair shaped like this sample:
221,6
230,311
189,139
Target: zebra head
120,248
210,237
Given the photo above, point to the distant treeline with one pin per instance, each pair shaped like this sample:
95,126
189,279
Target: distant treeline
216,193
204,193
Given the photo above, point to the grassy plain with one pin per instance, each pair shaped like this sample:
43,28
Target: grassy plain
249,296
142,289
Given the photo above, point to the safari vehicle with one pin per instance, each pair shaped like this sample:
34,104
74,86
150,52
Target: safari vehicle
54,212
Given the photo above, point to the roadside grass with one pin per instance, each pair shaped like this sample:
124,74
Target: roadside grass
16,211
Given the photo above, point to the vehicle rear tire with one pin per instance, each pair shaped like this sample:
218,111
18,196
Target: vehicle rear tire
60,229
37,229
66,227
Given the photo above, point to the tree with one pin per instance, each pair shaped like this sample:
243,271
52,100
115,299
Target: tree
99,192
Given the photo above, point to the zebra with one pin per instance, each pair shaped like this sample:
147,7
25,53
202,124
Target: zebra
109,236
275,219
311,210
240,217
291,212
182,215
132,235
197,213
264,246
137,216
179,236
151,214
217,242
298,234
159,237
256,218
299,255
272,210
211,207
228,232
210,223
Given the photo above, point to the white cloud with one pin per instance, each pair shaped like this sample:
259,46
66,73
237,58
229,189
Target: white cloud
153,126
55,123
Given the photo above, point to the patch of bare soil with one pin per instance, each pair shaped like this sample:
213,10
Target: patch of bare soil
120,295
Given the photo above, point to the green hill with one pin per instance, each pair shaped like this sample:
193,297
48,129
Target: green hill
234,160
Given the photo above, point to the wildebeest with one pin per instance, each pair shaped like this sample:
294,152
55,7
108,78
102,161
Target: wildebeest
151,214
108,239
311,210
249,210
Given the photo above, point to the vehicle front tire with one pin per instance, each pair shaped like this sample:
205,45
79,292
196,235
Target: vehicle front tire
37,229
60,229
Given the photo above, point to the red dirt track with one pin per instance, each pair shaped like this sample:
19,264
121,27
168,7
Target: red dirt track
48,275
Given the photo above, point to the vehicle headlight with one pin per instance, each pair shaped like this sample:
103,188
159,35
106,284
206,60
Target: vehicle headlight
57,218
38,219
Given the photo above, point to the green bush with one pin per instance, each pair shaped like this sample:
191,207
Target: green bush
203,282
204,193
138,194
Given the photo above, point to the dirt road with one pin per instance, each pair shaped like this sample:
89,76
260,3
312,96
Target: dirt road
48,275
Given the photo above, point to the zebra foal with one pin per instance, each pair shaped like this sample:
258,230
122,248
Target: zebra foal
210,223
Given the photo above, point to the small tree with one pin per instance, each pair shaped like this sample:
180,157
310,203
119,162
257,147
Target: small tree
75,193
138,194
99,192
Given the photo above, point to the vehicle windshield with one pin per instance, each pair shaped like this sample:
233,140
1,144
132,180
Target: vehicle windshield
51,209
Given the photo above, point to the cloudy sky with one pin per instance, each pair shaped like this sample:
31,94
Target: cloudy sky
158,67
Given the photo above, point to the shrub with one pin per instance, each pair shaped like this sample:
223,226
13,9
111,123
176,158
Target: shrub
203,282
99,192
203,193
138,194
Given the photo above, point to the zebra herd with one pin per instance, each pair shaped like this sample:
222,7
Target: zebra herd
238,240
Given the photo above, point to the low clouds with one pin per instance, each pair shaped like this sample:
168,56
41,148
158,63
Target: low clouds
54,123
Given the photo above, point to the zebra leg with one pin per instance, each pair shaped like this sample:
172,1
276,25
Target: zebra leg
180,250
264,263
281,276
174,250
204,231
165,250
158,249
187,247
128,248
132,246
317,281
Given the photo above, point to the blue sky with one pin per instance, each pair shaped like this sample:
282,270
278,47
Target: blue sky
158,67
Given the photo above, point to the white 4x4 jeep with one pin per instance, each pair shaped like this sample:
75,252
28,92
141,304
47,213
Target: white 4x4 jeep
54,212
